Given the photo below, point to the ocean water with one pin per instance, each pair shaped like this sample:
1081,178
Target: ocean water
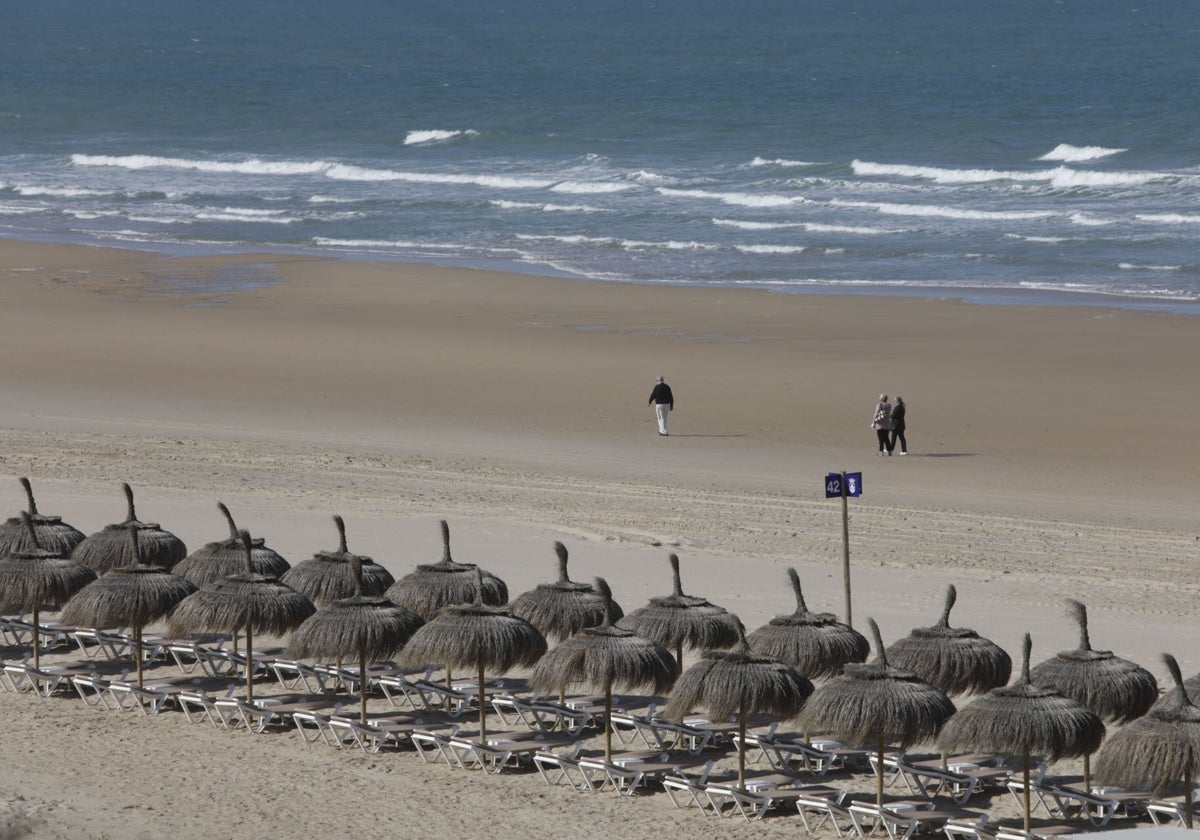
1029,151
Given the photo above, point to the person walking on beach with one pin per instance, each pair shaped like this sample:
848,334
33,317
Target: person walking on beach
898,411
664,403
882,424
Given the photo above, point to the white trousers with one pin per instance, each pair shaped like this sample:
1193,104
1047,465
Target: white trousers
662,410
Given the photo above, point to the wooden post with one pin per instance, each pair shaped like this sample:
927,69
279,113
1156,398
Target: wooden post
846,550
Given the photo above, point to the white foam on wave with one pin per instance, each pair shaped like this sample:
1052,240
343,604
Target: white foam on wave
330,199
252,166
1170,218
243,214
1125,266
760,161
590,187
941,211
417,138
811,227
625,244
735,198
547,208
770,249
347,172
1060,177
1076,154
58,192
1043,240
1086,220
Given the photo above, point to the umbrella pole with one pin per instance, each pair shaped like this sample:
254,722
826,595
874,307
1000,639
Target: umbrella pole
1087,772
679,656
1026,757
879,774
362,685
1187,794
137,651
249,665
741,749
482,708
37,637
608,721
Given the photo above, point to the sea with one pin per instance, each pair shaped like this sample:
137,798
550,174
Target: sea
1037,152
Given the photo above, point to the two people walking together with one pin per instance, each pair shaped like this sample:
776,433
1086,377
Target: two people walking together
888,423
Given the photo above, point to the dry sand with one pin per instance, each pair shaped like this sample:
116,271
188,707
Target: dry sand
1052,456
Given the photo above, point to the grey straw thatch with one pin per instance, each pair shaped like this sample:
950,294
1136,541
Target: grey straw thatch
677,620
52,533
365,627
109,548
815,644
955,660
134,595
435,585
220,559
246,602
1024,719
327,577
877,704
563,608
606,657
38,577
739,682
1114,688
475,636
1158,750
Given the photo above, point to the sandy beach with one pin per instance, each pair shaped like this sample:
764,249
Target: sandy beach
1051,457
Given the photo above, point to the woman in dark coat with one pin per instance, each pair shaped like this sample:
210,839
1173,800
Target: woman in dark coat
898,427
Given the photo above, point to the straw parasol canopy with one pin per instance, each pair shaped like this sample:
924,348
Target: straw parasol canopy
1024,719
1156,751
1114,688
52,533
955,660
677,620
245,602
134,595
435,585
815,644
327,577
874,703
475,636
38,577
606,657
368,628
220,559
110,548
739,682
563,608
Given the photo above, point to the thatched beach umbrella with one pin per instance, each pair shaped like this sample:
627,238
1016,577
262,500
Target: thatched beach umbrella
52,533
226,557
244,603
606,657
954,660
1114,688
475,636
1024,719
876,704
368,628
134,595
563,608
110,548
815,644
739,682
38,577
435,585
677,620
1158,749
327,576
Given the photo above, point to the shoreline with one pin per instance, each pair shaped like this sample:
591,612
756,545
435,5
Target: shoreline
968,295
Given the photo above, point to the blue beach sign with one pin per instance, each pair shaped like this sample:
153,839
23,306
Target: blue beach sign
843,484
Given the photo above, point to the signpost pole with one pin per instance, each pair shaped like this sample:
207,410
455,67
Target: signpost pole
846,548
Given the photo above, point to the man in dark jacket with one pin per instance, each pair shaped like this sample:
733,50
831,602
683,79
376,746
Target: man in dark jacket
664,402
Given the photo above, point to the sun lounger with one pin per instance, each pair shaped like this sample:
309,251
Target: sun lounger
817,812
902,822
433,746
494,754
1171,812
40,681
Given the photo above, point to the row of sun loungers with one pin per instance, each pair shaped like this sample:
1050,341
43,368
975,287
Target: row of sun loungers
790,773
